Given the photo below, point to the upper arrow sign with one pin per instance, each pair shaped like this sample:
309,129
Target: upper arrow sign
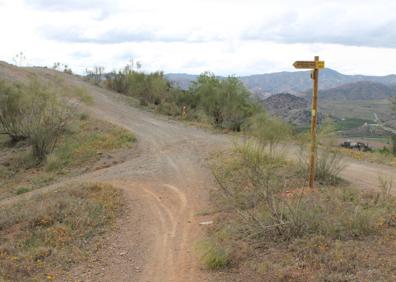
309,64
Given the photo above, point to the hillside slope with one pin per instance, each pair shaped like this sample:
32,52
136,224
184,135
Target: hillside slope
362,90
290,108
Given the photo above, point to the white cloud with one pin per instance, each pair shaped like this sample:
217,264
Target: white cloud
226,37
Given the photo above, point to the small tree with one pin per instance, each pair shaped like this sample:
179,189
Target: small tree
49,117
237,106
205,88
226,101
35,113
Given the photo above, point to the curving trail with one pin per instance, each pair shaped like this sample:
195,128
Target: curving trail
167,188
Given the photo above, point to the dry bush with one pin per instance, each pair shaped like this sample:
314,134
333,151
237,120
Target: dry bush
386,187
329,162
253,185
266,194
269,132
329,165
301,234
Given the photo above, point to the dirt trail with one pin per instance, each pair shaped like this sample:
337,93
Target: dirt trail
167,188
171,183
167,185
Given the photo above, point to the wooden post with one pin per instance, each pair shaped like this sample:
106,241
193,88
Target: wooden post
314,120
314,66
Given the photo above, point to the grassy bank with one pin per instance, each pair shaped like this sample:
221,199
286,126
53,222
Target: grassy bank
87,145
43,237
272,228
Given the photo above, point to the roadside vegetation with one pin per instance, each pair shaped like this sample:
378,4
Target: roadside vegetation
33,113
44,139
225,104
380,155
271,226
45,236
87,145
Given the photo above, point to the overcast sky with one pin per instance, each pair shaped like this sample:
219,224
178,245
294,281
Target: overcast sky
226,37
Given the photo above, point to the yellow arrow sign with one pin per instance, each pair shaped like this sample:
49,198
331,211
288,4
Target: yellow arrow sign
309,64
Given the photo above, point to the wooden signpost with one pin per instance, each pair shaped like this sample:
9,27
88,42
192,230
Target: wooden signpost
315,66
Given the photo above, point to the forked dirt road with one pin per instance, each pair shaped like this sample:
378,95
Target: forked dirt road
167,187
170,182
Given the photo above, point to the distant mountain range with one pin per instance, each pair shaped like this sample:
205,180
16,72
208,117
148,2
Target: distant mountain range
291,82
361,90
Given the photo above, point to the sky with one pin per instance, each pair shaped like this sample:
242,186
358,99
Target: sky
227,37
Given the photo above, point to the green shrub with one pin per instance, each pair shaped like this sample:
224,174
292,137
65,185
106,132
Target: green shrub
169,109
149,88
49,118
212,255
270,201
22,190
226,103
269,132
329,165
13,119
33,112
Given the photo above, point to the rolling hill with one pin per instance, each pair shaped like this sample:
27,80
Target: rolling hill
291,82
290,108
361,90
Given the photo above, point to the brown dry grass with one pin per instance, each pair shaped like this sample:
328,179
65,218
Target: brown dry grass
341,233
43,237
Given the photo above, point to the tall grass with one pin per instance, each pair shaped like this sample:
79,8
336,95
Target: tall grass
329,165
269,197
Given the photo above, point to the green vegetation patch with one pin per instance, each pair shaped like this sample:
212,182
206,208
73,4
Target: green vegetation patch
86,142
222,103
294,233
212,255
349,123
43,237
